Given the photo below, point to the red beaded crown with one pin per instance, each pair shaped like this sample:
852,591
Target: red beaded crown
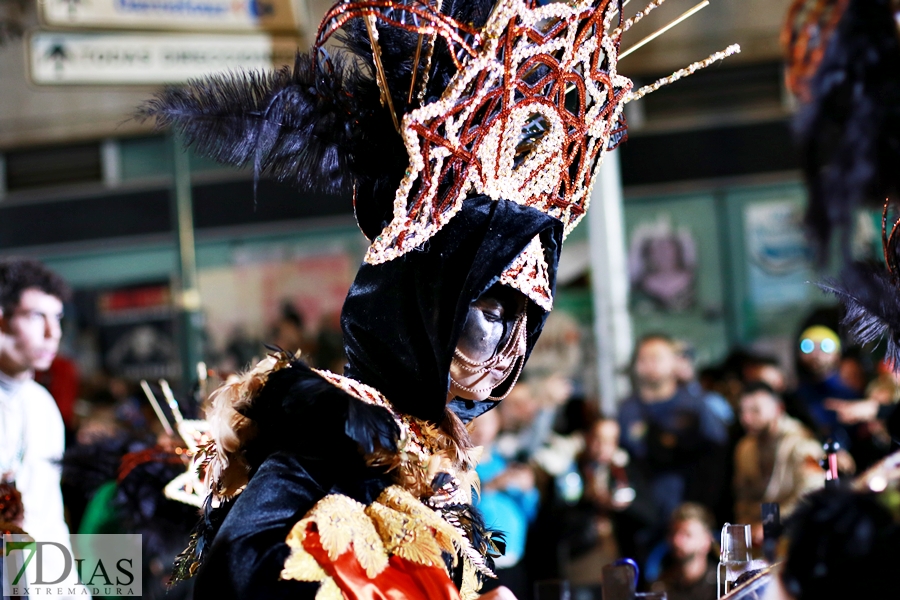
535,104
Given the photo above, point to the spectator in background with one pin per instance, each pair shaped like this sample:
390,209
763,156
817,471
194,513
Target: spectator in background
671,433
613,507
518,415
241,351
687,377
31,429
820,359
690,572
62,381
330,345
509,503
287,331
776,461
852,371
768,370
871,416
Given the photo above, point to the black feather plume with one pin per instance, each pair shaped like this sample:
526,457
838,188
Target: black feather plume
297,125
849,131
871,297
319,126
398,51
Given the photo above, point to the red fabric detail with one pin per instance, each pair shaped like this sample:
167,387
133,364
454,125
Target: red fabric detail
401,580
62,381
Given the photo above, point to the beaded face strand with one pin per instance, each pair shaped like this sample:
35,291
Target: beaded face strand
512,351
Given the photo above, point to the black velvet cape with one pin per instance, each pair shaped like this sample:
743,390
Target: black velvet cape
401,322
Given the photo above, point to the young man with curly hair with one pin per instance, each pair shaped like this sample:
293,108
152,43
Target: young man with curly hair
31,429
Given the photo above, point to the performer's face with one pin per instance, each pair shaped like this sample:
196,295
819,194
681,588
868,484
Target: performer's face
486,338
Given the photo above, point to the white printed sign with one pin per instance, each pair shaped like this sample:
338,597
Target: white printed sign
211,15
146,59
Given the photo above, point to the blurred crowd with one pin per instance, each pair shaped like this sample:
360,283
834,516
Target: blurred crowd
685,454
572,489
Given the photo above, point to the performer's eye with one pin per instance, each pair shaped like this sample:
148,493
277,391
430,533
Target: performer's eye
493,316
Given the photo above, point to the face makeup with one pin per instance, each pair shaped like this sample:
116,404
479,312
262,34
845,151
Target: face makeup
492,344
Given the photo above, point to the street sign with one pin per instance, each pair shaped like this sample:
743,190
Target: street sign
61,58
194,15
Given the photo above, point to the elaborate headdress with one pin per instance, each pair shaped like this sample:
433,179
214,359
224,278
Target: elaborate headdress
469,133
517,100
429,111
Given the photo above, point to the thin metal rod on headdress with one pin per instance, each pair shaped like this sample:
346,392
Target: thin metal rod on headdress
688,70
615,11
684,17
629,23
415,69
418,58
379,70
170,399
156,407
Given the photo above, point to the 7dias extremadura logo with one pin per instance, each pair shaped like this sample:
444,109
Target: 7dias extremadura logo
95,565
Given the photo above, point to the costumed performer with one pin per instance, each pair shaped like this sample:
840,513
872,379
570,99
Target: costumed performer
470,134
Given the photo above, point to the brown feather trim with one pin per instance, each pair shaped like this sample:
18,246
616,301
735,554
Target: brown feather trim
231,430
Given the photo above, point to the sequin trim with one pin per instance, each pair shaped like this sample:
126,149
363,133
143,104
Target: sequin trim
529,274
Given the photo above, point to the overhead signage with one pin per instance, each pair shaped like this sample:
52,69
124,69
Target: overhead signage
205,15
60,58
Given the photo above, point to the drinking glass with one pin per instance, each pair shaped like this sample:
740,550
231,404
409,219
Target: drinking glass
735,557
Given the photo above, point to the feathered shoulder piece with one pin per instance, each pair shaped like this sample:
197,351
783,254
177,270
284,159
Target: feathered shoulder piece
283,404
279,405
871,294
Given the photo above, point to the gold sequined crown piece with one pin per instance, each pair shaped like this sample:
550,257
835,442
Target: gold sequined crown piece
534,105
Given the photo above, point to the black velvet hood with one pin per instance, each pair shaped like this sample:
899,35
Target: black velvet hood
402,319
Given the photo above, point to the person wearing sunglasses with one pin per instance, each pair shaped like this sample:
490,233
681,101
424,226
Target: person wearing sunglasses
819,357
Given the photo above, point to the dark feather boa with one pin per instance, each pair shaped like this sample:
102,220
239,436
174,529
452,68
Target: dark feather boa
299,411
330,431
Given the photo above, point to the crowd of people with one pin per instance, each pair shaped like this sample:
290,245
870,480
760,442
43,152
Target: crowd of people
578,490
571,489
